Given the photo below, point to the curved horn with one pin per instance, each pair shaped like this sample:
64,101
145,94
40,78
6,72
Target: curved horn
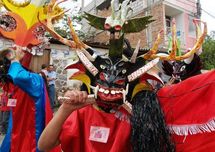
172,55
51,15
154,49
198,43
78,42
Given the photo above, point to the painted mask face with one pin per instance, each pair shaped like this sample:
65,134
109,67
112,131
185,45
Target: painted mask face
182,70
111,80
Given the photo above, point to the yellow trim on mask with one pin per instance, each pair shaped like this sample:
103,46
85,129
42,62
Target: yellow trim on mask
84,78
140,87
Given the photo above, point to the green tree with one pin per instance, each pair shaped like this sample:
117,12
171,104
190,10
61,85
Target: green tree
62,27
208,54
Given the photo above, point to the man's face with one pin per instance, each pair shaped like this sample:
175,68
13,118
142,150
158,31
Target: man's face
50,68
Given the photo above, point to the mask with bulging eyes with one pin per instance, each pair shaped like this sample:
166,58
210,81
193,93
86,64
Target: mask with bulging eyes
182,70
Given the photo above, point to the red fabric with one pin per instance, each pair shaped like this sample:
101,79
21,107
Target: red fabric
49,112
26,59
191,102
76,131
195,143
3,103
22,119
48,117
7,90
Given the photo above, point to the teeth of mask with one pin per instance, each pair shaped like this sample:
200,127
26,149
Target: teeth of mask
124,93
95,90
113,92
106,92
127,87
124,96
117,91
101,90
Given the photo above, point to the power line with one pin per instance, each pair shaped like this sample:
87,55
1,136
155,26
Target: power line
201,8
208,13
191,1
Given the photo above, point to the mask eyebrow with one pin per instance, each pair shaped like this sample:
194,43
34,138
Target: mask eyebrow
120,63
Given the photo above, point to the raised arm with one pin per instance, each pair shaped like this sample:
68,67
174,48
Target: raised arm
50,136
28,81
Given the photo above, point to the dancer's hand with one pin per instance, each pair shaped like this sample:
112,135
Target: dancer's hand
15,55
76,100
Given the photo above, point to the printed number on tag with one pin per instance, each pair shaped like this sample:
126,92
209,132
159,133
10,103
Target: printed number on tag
11,103
99,134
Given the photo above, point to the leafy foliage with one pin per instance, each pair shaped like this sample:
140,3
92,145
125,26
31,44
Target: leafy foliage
62,27
208,54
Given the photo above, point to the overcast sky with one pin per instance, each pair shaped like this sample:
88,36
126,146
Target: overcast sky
208,6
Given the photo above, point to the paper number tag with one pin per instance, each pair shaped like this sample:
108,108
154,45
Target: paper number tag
99,134
11,103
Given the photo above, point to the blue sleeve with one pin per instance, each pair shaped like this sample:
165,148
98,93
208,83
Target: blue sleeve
31,83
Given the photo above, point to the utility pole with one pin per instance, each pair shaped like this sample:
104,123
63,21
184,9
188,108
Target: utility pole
199,9
82,6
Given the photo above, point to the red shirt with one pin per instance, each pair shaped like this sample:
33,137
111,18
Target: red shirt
76,131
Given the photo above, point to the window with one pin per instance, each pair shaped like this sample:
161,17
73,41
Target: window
191,30
168,24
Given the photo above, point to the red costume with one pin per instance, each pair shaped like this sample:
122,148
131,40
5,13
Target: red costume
76,131
189,111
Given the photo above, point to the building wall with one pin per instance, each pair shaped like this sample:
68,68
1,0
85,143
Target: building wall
179,9
183,22
190,38
188,6
159,24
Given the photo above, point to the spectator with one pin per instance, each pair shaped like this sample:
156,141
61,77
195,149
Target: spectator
51,77
44,74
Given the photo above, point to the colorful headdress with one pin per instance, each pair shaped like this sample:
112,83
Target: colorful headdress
20,23
185,68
